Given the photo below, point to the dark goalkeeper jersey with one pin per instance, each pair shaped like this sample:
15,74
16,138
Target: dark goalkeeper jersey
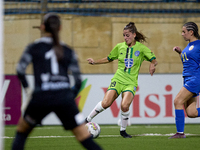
49,74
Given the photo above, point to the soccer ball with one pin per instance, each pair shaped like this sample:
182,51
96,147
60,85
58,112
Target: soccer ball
94,129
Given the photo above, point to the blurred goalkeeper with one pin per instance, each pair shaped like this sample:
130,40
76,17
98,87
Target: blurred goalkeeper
51,61
130,55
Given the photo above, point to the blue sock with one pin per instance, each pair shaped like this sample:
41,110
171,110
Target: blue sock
180,120
198,109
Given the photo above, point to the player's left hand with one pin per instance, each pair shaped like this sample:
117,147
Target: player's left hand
152,67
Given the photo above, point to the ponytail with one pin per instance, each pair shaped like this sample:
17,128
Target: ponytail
52,25
140,37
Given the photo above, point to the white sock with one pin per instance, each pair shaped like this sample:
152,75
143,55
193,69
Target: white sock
97,109
124,120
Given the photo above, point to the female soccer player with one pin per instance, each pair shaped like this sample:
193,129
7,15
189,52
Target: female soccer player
51,61
187,96
130,55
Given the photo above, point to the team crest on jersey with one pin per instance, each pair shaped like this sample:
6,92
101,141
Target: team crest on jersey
135,88
128,62
137,53
191,47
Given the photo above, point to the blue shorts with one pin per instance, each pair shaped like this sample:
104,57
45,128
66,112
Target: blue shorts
192,84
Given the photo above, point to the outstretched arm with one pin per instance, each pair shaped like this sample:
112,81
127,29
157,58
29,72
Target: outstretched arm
152,67
74,67
100,61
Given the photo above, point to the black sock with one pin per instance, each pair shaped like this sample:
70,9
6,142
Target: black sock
89,144
19,141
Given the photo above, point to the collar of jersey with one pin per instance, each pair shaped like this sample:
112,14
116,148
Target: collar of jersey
133,45
44,39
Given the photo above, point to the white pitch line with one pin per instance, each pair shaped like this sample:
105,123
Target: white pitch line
49,128
43,128
139,126
40,137
146,134
132,126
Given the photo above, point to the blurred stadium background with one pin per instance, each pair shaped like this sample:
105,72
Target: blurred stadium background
93,28
102,7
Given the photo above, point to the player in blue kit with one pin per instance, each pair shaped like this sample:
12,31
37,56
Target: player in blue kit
187,96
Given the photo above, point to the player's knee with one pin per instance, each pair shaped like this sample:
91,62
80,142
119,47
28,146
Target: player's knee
105,104
81,132
23,126
124,108
178,102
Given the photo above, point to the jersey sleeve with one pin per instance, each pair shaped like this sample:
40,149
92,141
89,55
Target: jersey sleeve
74,67
113,54
148,54
24,61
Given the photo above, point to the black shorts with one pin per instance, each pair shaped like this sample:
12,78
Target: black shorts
60,102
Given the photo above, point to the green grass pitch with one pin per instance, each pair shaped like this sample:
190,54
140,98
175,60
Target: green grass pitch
145,137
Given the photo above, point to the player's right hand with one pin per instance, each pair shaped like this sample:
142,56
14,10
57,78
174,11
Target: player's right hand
90,61
177,49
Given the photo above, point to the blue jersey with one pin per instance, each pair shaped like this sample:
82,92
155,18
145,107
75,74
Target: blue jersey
190,57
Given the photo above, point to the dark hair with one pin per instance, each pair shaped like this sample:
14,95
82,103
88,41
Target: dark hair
52,25
192,26
132,28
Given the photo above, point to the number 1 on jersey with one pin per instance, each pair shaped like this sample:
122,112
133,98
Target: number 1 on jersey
54,64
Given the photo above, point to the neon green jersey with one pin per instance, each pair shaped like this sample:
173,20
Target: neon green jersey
129,61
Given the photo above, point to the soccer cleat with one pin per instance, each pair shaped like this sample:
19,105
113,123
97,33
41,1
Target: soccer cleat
124,134
177,135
